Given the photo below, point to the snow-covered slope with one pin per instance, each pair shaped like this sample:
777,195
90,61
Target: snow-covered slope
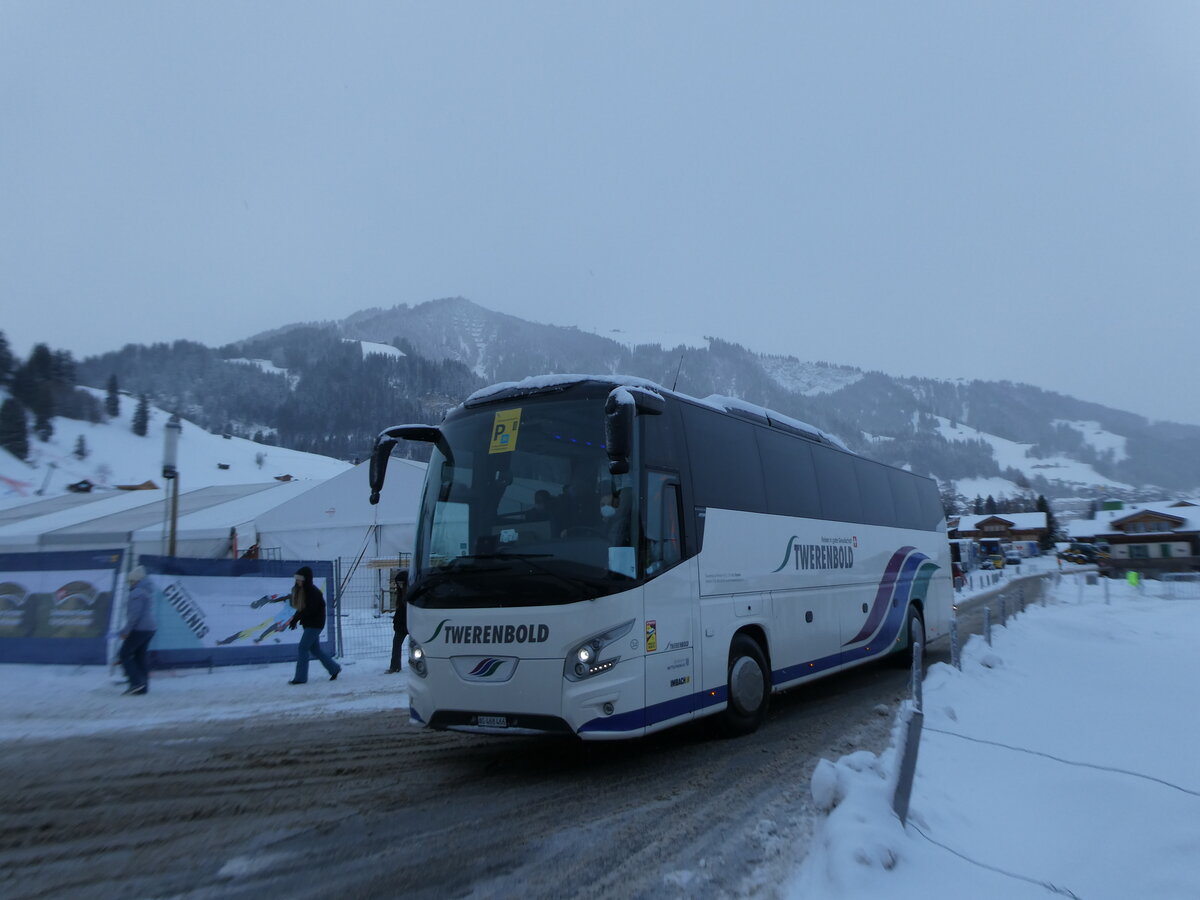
808,378
1010,454
1101,441
116,456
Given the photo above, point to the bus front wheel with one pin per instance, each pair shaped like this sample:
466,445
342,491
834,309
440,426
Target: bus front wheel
749,686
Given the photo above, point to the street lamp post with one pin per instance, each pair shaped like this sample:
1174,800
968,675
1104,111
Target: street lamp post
171,435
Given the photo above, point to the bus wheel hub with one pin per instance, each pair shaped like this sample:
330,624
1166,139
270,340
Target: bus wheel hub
746,685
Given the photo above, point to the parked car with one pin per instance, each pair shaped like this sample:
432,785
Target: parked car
1012,558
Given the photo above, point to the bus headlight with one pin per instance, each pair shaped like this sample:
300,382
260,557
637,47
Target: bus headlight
588,657
416,658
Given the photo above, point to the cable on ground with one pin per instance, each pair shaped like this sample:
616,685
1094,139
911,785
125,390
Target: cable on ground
1068,762
1053,888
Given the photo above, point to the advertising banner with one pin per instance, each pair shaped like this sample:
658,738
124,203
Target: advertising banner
55,607
227,612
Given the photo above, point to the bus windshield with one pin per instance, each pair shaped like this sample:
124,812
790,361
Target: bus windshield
520,509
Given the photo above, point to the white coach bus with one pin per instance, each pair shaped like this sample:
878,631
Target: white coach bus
600,556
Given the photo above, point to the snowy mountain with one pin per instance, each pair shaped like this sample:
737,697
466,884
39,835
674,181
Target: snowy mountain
322,387
113,455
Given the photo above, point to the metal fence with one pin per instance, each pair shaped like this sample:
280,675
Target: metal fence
1174,586
366,603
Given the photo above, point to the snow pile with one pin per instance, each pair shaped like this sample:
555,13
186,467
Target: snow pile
1058,761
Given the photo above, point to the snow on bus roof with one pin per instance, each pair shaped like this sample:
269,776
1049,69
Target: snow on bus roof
546,382
537,383
728,404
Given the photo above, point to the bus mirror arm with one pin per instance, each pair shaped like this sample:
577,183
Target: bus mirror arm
387,441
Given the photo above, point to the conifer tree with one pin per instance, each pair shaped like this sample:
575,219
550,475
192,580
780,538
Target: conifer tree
112,400
14,430
40,401
81,449
1047,542
43,427
989,505
7,362
141,416
40,363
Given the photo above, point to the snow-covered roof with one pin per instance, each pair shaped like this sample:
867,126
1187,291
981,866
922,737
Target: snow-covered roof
1021,521
1104,521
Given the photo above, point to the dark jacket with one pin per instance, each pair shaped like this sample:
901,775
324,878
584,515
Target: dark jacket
400,616
312,613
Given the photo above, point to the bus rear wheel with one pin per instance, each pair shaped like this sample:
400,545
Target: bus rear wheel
916,634
749,687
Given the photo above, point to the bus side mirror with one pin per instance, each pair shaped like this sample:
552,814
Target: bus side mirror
618,434
379,460
620,410
383,450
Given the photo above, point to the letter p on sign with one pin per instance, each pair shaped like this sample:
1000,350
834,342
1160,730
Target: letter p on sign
504,431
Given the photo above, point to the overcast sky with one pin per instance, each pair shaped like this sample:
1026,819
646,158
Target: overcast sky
998,190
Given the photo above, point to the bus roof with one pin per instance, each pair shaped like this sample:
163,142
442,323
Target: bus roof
542,384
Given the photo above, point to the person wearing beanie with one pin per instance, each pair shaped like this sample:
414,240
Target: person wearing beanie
309,603
138,631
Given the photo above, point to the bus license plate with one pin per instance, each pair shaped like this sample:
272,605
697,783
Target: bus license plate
494,721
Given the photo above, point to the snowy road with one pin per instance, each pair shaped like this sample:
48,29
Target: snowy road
365,805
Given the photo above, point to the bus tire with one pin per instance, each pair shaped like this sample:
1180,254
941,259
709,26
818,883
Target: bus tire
748,688
916,632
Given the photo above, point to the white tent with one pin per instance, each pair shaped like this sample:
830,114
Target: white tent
336,519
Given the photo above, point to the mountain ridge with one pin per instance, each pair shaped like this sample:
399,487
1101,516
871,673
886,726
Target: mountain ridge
334,403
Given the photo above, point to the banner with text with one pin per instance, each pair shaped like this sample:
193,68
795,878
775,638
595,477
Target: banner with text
229,611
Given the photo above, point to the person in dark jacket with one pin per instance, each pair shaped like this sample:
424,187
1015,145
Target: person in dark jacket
309,603
399,622
138,631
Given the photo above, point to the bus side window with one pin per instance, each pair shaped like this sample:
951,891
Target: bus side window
664,547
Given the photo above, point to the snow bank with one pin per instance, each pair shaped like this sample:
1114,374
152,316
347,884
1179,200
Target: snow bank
1058,761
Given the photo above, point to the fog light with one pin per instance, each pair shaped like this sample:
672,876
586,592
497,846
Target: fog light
609,709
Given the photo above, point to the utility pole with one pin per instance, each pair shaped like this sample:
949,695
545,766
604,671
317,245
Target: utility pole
171,435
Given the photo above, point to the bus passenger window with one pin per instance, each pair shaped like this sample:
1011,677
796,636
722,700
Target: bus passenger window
663,545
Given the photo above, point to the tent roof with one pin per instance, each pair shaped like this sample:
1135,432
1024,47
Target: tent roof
215,521
43,506
119,526
343,501
64,518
